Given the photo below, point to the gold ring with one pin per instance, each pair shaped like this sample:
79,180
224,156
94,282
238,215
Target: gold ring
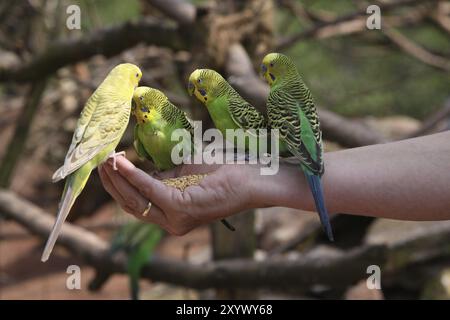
149,205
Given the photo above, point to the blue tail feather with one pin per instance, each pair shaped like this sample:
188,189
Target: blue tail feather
315,185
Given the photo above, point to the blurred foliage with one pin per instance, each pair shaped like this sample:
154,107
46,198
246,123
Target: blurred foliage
107,12
355,76
351,75
138,240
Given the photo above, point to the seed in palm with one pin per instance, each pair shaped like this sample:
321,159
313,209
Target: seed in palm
181,183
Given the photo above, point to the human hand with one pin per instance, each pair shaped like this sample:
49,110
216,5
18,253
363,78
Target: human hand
355,181
227,189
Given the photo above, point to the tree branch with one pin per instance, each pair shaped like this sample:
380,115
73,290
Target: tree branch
19,139
432,120
282,273
179,10
107,42
320,27
440,17
348,133
415,50
278,273
302,13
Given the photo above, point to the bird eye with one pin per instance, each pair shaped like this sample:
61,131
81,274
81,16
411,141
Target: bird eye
199,80
137,75
141,98
271,64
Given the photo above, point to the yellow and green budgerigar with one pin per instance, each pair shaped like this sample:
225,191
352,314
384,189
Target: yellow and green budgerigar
291,110
99,129
156,119
226,107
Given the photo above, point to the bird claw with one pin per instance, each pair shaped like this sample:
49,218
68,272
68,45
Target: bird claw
115,154
155,174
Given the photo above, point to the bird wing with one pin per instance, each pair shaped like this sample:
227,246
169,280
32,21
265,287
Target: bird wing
187,123
286,115
100,124
245,115
176,117
139,147
190,126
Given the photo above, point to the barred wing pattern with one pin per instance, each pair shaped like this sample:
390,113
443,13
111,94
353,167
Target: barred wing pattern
284,114
245,115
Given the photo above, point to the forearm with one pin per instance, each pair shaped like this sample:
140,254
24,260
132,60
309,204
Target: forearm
407,180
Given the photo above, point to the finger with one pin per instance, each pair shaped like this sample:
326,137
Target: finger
133,201
155,215
151,188
126,190
108,185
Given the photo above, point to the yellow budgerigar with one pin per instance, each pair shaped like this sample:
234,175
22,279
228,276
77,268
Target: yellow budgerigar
99,130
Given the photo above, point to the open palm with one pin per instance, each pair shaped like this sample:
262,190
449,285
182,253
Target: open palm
226,190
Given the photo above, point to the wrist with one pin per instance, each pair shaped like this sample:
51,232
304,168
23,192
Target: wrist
287,188
257,190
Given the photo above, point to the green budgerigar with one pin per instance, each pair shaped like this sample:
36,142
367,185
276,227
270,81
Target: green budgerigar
291,110
138,240
226,107
156,120
99,129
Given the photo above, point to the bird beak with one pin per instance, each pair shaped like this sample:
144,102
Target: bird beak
263,72
191,88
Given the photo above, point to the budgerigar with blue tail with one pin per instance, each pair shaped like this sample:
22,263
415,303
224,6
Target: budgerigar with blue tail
291,110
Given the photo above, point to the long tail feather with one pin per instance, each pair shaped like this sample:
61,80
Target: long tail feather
74,185
315,185
67,201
